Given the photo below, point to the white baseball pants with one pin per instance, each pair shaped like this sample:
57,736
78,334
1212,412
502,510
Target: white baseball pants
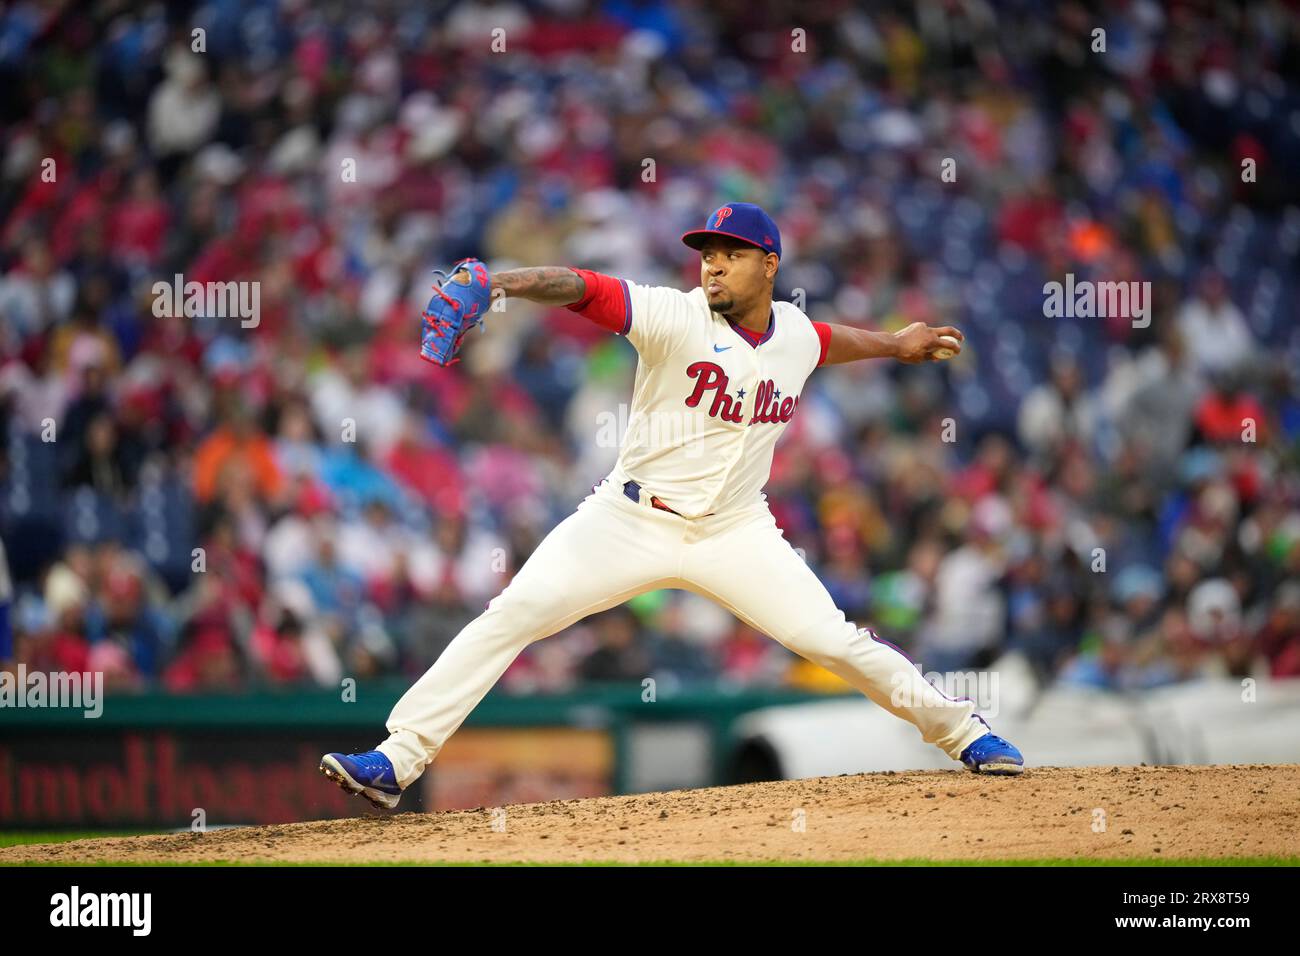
612,549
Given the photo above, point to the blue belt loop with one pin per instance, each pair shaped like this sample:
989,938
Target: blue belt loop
632,490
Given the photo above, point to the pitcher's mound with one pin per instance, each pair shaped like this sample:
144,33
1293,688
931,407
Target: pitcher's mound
1049,813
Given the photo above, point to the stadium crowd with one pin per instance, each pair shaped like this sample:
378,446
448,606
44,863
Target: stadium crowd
195,503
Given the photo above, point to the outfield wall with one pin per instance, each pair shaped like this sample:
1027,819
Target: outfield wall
154,760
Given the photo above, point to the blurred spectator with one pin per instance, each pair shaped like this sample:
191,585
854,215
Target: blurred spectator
1214,329
1228,414
967,620
6,611
618,655
35,293
236,448
1279,638
184,109
1058,410
1158,412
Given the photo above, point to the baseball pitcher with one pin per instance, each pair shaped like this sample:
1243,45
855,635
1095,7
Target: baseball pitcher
725,365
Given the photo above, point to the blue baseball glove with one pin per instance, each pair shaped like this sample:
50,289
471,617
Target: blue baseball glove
460,301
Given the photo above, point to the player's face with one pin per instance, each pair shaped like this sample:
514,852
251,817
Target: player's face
734,274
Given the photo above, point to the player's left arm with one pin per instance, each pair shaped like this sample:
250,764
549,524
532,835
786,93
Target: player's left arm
916,343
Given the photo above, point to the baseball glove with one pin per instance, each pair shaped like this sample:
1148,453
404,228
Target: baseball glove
460,301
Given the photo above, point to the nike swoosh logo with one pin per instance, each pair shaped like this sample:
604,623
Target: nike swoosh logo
721,348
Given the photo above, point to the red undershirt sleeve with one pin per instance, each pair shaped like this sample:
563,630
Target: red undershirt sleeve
606,302
824,336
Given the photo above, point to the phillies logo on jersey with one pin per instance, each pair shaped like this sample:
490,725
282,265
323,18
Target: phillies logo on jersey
720,215
769,406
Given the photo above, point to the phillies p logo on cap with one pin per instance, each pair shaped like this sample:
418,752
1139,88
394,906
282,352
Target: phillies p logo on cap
739,220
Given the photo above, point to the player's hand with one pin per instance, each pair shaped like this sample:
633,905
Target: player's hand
921,343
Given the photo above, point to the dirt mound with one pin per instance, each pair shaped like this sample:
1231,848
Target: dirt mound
1059,813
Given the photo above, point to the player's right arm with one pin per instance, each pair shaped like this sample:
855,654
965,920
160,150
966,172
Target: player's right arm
916,343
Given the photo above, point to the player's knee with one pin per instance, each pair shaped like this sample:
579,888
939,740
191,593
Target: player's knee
521,614
827,642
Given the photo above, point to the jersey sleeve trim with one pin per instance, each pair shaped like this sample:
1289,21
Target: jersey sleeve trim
824,337
607,301
627,307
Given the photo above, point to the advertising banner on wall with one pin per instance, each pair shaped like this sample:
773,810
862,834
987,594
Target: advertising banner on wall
182,778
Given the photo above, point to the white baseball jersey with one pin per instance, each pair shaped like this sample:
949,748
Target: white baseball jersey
710,399
709,404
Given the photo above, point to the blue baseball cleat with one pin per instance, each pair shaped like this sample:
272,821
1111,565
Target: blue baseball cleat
992,754
370,774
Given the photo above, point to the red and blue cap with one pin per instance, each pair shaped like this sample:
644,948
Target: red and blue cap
739,220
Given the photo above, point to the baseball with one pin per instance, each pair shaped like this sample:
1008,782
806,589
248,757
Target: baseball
951,347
